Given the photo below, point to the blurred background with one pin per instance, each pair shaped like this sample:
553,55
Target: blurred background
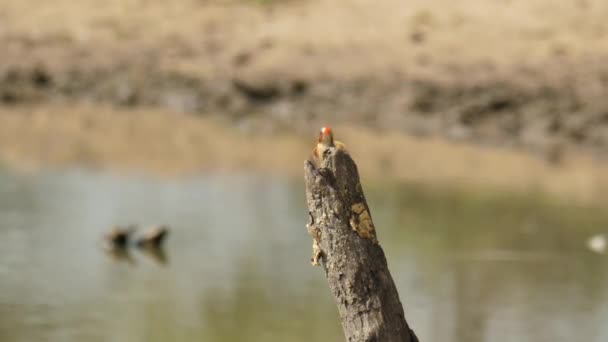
480,129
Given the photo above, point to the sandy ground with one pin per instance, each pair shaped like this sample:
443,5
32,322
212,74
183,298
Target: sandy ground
169,144
528,74
387,34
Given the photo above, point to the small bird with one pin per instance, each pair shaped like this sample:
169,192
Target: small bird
119,237
153,237
325,141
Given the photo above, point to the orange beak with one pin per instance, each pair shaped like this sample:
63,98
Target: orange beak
325,131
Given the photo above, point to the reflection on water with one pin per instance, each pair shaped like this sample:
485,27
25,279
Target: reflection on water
469,267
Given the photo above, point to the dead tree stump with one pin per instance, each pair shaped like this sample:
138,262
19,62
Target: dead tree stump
345,244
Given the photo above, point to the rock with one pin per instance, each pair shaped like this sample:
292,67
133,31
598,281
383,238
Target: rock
597,243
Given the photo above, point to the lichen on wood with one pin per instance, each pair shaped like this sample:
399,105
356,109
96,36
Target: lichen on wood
346,245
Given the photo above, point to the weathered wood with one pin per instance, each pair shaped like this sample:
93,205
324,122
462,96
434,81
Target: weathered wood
345,243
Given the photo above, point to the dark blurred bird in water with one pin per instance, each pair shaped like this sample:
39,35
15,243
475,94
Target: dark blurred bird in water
324,142
120,240
119,237
153,237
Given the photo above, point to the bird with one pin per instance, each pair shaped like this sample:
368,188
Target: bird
324,142
153,237
119,237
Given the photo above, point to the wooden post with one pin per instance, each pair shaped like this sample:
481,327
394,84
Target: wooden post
345,244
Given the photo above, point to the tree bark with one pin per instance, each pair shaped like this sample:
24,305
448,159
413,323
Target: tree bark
345,243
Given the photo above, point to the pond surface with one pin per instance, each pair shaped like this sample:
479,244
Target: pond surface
469,266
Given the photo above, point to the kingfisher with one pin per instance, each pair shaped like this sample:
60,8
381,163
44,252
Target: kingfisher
325,141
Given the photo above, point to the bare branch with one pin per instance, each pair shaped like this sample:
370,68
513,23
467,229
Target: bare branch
345,243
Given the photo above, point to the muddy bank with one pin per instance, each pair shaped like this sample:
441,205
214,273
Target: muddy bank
170,144
538,109
530,76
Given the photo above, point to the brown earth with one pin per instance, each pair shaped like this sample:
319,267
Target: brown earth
514,73
518,74
172,144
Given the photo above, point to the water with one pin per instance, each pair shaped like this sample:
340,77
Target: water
469,266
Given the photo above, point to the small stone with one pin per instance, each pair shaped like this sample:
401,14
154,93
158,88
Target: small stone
597,243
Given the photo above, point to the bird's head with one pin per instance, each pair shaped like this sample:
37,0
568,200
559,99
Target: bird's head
326,137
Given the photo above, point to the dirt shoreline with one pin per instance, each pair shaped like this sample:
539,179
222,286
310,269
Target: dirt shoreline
531,76
505,109
440,82
177,145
